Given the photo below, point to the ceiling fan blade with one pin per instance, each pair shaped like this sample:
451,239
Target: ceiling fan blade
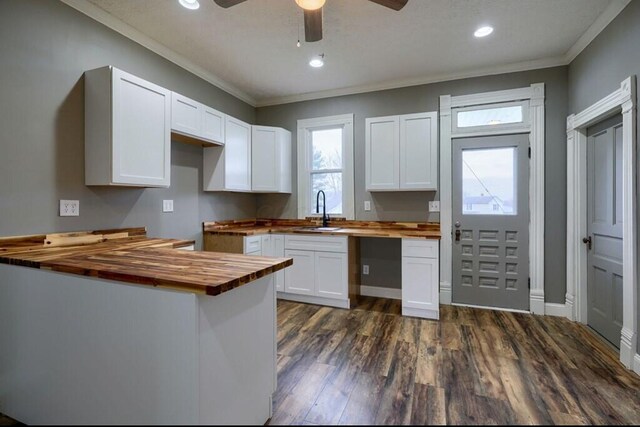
313,25
391,4
228,3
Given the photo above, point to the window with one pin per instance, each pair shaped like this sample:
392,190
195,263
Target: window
489,181
490,117
325,162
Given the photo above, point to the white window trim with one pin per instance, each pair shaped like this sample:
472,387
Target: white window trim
305,126
535,95
622,100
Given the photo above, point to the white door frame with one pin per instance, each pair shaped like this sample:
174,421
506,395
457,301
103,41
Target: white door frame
622,100
534,94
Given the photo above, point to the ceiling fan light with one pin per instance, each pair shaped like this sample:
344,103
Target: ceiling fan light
190,4
310,4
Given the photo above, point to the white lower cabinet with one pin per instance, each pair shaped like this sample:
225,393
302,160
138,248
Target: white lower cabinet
300,277
270,245
277,248
319,274
420,278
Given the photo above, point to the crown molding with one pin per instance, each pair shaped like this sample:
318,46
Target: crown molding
601,22
98,14
395,84
108,20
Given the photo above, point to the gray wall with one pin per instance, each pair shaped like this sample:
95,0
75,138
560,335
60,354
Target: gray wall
610,58
45,47
412,206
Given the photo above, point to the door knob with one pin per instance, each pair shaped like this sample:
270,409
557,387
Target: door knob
587,241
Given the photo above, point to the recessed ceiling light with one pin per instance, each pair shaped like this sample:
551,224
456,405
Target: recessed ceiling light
190,4
317,62
483,31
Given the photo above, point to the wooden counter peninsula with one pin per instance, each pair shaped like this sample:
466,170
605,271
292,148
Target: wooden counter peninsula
113,327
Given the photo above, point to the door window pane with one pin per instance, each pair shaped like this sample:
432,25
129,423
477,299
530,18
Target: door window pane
326,148
331,184
490,116
489,181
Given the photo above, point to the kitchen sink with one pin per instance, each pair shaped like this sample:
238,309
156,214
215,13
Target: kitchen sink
318,229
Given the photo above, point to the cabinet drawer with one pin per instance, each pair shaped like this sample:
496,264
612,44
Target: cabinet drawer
316,243
252,244
420,248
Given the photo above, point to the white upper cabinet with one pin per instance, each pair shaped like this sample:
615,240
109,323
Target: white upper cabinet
402,152
194,120
127,130
382,150
270,160
228,167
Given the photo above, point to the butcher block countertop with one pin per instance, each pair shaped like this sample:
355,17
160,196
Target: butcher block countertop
389,229
128,255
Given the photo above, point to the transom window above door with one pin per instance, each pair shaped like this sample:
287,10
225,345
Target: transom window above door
325,162
482,118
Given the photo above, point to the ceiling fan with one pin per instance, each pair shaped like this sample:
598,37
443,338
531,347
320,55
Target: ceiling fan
313,13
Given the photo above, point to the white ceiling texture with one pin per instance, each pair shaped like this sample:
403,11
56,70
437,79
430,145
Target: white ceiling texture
250,49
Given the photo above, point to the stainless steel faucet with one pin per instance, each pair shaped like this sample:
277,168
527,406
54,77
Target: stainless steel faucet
325,217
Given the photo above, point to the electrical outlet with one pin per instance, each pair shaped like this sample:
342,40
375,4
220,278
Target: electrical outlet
367,205
365,269
167,206
69,207
434,206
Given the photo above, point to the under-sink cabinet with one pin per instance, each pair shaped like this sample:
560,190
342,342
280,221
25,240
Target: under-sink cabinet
320,270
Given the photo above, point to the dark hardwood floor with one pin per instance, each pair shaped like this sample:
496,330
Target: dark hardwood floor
370,365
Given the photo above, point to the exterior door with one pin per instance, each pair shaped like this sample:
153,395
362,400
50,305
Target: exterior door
491,221
604,228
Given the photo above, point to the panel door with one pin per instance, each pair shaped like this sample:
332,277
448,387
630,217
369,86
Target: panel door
300,277
604,228
277,246
212,124
491,221
186,115
265,169
382,151
141,131
419,151
237,155
420,283
331,275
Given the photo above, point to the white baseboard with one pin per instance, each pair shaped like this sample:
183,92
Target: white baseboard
309,299
554,309
379,292
445,293
636,363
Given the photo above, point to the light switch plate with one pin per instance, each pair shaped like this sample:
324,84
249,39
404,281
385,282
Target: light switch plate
434,206
365,269
367,205
69,207
167,206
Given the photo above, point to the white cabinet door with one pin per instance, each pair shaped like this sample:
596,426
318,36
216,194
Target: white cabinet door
419,151
212,124
300,277
331,275
382,151
127,130
265,153
277,250
186,115
420,284
237,152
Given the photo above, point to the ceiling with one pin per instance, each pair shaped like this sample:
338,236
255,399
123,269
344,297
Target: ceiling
250,49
